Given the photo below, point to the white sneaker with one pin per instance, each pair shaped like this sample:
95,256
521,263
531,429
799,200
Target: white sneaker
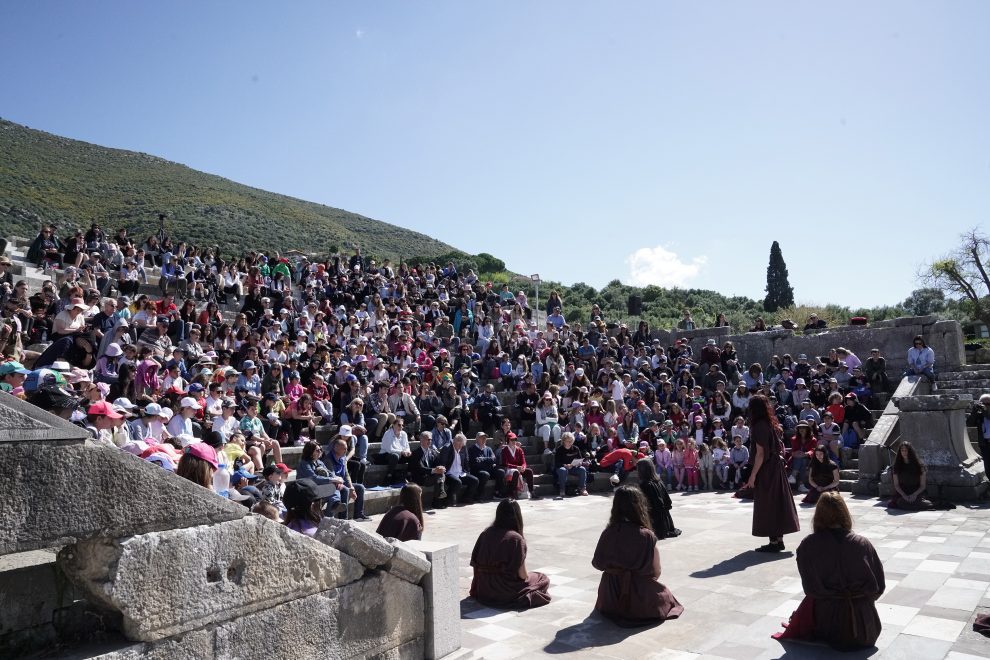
614,480
802,488
791,479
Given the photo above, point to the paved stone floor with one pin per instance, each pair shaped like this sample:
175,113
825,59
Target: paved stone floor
937,569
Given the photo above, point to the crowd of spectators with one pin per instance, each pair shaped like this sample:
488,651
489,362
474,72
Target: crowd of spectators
349,358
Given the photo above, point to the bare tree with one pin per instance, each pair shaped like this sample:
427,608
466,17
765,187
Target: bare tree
964,272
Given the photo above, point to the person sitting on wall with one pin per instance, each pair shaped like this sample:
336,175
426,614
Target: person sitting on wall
921,360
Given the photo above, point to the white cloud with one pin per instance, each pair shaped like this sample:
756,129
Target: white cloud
662,267
358,33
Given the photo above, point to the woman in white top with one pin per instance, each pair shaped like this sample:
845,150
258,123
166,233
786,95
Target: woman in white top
395,451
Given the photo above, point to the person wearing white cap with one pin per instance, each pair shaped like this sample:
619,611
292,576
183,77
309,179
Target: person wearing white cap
105,370
151,424
181,425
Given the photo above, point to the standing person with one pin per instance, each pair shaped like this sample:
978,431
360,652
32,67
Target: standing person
630,593
842,578
980,418
404,521
499,562
657,499
909,477
774,513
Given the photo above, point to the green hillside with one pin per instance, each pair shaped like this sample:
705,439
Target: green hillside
44,177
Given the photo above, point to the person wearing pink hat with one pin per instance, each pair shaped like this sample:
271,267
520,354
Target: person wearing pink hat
198,463
101,420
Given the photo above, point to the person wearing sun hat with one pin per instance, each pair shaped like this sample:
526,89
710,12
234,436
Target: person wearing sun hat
304,502
12,377
181,425
101,420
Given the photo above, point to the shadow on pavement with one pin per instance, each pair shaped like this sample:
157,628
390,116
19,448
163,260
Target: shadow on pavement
741,562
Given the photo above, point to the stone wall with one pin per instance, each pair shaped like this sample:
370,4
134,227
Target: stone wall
152,565
892,337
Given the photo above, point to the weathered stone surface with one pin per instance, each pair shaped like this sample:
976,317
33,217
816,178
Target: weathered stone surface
915,320
167,583
383,612
933,402
368,548
407,564
376,617
22,422
51,495
442,632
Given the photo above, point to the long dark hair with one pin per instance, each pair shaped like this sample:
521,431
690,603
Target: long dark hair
411,499
508,515
646,471
824,465
760,410
629,505
309,449
913,464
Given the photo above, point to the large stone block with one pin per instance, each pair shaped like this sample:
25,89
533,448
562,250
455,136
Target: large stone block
442,632
54,494
370,549
168,583
377,617
407,563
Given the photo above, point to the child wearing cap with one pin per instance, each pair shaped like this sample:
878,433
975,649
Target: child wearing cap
273,484
691,465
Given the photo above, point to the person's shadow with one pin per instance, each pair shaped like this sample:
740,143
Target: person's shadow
595,631
741,562
795,650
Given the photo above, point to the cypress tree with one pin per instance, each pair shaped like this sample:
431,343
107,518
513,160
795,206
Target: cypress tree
779,291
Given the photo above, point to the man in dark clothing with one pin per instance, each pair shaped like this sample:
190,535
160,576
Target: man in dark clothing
482,461
526,402
487,409
856,422
875,369
461,485
426,469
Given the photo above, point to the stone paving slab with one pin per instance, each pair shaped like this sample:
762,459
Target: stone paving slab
937,568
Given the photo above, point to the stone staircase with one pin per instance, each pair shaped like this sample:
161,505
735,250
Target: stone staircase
379,501
972,379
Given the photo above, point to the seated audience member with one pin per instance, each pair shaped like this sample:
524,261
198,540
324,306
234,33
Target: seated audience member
567,460
404,521
823,475
630,593
395,451
304,504
499,562
657,499
908,476
312,467
842,578
512,458
462,486
921,360
483,465
198,463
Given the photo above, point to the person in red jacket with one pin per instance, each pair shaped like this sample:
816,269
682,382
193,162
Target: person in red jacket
620,462
512,458
803,443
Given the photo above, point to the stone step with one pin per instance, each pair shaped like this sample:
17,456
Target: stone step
983,383
975,373
846,485
849,474
974,392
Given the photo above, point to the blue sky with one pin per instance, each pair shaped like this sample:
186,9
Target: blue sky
653,142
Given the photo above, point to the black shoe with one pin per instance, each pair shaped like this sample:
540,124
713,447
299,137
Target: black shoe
771,547
361,519
672,533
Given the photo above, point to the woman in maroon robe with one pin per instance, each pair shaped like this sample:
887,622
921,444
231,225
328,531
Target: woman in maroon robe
842,578
404,521
499,562
630,593
774,513
823,475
